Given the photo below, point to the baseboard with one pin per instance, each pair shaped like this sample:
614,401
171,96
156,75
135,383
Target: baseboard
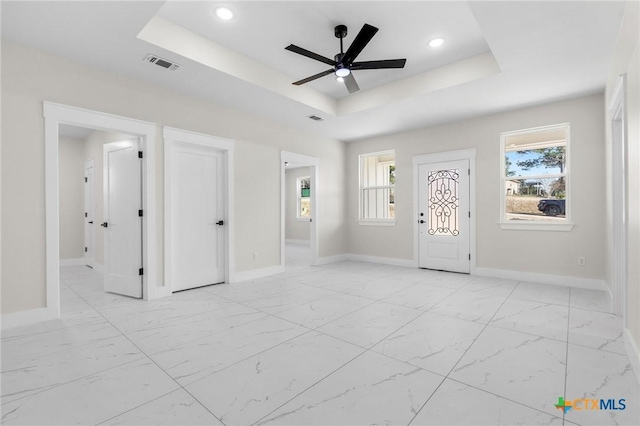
257,273
632,352
331,259
585,283
18,319
79,261
302,242
407,263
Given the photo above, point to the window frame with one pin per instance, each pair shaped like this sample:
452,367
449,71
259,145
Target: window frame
373,221
538,225
299,198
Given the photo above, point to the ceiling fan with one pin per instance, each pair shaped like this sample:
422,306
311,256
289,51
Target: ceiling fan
343,63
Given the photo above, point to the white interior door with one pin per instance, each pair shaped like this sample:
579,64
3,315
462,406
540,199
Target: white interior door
88,213
123,223
197,217
444,212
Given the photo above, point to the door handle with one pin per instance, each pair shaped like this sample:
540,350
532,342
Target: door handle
421,221
91,222
220,222
104,225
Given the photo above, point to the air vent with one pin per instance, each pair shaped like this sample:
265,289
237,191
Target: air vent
162,62
315,118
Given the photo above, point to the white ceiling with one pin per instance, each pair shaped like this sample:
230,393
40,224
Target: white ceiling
497,55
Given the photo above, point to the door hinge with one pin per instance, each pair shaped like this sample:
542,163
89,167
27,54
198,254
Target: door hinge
469,256
469,172
85,250
469,214
141,271
86,179
85,214
140,213
139,154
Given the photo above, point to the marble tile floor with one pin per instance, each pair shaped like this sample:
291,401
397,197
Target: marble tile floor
344,344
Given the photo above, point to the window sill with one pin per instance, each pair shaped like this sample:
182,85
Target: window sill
303,219
537,226
377,222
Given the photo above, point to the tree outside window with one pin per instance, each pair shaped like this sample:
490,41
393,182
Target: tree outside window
534,178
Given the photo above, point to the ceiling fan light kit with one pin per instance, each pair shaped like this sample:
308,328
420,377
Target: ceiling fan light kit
344,62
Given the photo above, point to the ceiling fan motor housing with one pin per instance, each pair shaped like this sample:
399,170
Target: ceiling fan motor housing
340,31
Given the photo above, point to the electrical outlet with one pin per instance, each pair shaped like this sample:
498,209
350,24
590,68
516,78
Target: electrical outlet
582,261
255,255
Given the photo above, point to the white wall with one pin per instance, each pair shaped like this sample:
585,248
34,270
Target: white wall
294,229
71,164
627,61
548,252
30,77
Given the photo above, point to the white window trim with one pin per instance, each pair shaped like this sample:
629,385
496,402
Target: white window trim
299,198
362,220
566,224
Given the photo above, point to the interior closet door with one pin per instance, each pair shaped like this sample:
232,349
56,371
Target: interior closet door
197,217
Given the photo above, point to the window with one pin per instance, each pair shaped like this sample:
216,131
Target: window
303,190
377,182
535,178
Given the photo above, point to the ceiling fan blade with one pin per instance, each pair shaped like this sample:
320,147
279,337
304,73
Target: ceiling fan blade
374,65
362,39
351,84
304,52
313,77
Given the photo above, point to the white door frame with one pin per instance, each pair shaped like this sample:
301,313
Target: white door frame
172,137
313,164
441,157
617,111
90,164
56,114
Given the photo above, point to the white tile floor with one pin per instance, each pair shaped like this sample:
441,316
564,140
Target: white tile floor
343,344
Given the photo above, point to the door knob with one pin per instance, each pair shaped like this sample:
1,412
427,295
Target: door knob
421,221
91,222
220,222
104,225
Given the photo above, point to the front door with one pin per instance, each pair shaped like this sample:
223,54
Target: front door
197,217
444,212
88,214
123,219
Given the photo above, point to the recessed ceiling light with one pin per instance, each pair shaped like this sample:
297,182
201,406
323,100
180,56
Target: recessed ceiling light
436,42
224,13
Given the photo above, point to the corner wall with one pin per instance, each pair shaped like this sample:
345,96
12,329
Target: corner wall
545,252
71,159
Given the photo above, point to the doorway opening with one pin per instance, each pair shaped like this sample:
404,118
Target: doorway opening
61,117
299,210
100,185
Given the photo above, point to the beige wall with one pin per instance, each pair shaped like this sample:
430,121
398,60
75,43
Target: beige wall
627,61
548,252
30,77
294,229
71,164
